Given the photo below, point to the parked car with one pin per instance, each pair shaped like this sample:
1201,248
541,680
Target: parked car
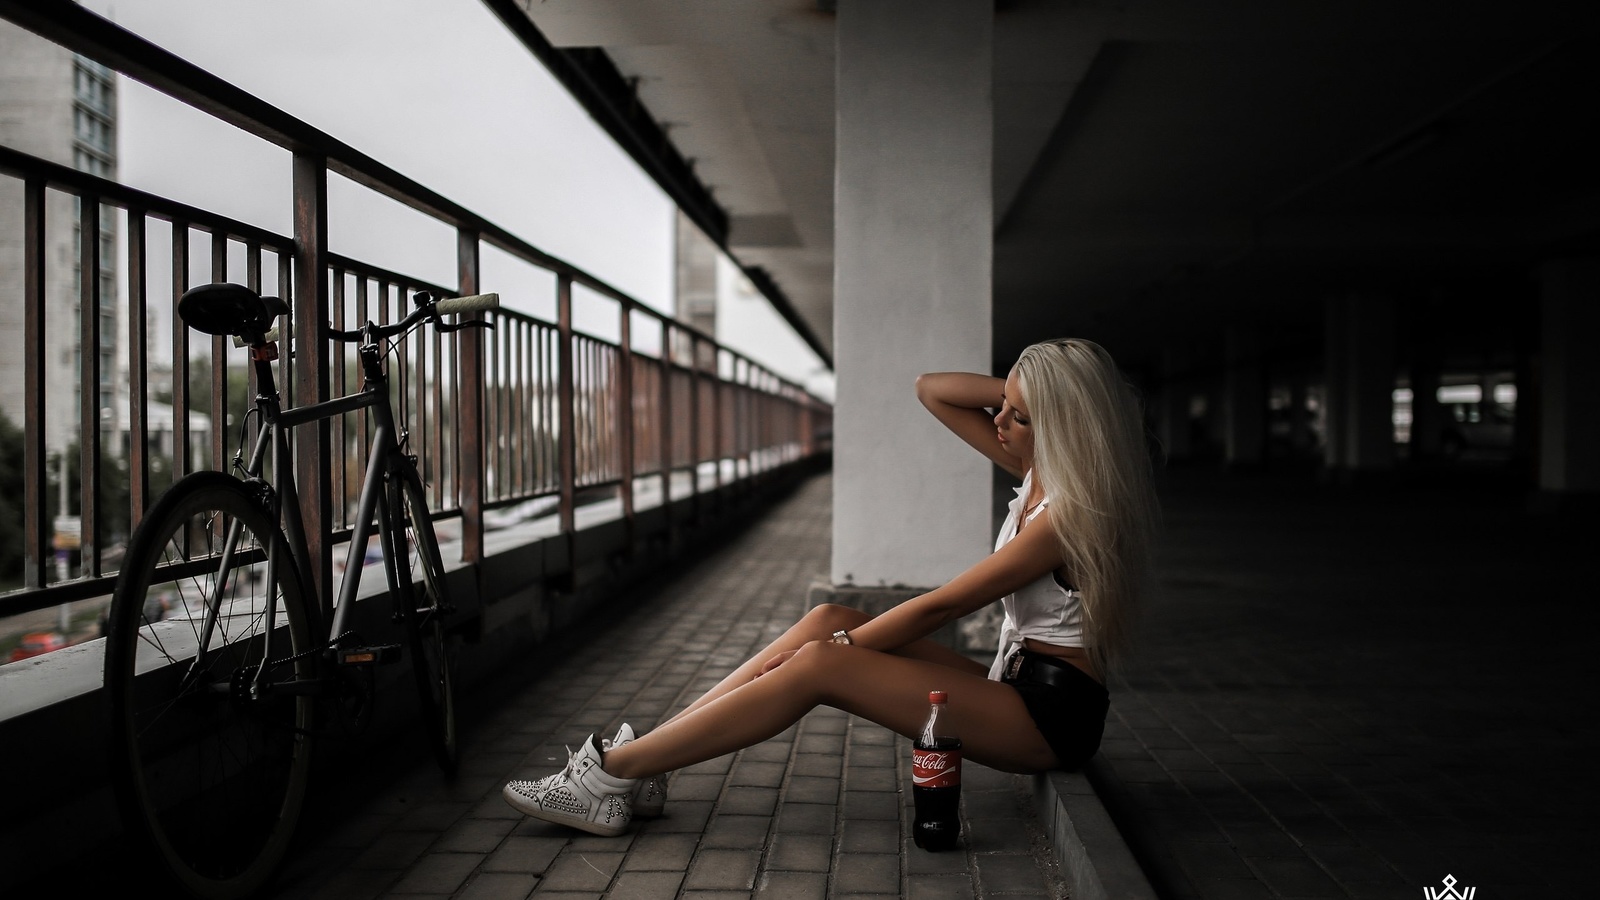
157,607
38,643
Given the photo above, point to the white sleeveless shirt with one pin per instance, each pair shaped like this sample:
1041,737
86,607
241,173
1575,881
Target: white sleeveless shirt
1042,609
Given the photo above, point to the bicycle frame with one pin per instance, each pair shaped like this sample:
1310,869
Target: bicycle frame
276,423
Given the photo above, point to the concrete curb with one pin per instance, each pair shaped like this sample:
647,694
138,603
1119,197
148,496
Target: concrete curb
1093,856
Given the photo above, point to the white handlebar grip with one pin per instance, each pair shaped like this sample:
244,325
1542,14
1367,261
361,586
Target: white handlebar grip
467,304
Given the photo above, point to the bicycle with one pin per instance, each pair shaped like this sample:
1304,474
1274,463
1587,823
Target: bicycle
215,707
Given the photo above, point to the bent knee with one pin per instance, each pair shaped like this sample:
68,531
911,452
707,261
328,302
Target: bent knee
821,654
814,668
833,617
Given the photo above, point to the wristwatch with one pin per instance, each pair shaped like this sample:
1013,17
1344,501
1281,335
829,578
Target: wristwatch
842,637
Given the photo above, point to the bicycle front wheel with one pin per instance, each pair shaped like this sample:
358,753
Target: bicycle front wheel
208,668
422,570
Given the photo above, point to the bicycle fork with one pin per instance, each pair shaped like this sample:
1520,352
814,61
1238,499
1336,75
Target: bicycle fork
277,554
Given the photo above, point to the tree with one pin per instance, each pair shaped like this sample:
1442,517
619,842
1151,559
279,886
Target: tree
11,557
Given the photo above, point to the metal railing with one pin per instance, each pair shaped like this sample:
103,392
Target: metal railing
532,409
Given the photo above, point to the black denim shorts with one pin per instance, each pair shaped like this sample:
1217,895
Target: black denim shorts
1070,713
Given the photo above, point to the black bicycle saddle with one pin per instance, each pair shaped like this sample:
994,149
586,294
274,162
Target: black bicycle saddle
229,309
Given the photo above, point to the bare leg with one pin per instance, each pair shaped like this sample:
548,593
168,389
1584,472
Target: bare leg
819,624
886,688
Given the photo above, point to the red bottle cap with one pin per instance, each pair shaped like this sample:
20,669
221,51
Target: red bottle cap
938,697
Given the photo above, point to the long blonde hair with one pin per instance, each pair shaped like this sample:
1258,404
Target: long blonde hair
1091,458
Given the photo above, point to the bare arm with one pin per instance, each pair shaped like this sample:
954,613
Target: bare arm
962,400
1034,553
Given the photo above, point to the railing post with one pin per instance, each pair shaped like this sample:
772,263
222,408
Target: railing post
337,379
35,533
717,435
88,385
761,440
664,419
695,425
180,353
469,351
252,280
312,451
749,433
805,426
285,375
625,418
566,446
750,412
138,374
219,362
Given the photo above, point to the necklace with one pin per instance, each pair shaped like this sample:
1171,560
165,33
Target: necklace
1028,511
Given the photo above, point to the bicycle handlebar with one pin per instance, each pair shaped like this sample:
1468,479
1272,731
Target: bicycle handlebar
426,309
467,304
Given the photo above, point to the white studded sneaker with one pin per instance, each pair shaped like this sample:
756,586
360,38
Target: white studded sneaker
650,794
581,796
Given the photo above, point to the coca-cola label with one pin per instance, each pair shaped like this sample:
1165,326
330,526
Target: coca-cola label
936,768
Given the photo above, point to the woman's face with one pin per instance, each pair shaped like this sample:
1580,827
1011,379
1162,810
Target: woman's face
1013,422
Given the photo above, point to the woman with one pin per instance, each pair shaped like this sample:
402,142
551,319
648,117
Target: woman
1071,429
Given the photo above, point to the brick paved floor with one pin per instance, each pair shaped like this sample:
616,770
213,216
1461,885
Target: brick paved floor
821,811
1358,694
1337,694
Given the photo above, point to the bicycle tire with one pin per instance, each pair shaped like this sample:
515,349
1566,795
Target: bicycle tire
210,780
424,604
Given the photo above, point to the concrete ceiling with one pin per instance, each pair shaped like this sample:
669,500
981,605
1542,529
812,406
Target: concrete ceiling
1164,169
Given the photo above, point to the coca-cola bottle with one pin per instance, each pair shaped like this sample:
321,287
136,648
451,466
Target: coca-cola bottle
936,780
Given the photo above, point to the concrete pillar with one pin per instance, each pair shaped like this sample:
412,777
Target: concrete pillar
1359,361
1569,377
1210,423
1334,364
1172,412
1301,439
1244,400
1173,421
1427,416
913,257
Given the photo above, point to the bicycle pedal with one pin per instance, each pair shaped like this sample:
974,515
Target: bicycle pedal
369,656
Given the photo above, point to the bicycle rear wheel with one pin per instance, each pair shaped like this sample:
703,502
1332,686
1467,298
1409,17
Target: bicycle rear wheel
422,569
210,764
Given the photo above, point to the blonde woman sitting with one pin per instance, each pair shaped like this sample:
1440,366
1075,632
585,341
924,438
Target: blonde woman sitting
1067,569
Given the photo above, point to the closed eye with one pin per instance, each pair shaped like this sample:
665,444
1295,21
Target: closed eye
1016,417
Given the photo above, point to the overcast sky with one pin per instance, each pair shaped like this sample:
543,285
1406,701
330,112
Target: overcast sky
437,90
